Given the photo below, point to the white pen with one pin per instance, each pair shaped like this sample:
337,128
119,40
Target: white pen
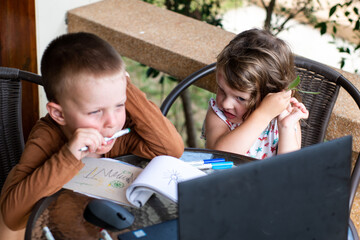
215,165
48,234
116,135
205,161
105,234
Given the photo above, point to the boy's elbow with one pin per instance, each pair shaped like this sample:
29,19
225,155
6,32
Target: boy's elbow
176,148
9,226
7,233
172,142
12,219
179,151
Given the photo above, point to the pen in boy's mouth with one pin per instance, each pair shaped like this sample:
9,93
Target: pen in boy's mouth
107,139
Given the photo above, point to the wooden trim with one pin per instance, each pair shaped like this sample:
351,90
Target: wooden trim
18,50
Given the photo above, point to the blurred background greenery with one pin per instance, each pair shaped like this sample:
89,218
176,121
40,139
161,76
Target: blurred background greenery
157,88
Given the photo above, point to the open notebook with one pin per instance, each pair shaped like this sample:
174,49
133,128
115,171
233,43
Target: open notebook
130,185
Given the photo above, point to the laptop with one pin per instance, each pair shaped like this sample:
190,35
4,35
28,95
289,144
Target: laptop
299,195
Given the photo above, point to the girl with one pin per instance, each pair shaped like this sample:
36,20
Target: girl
254,113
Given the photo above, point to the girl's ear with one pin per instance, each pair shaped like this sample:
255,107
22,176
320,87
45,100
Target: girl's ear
56,113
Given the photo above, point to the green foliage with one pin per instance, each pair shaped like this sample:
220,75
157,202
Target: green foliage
227,5
204,10
323,27
333,10
351,12
293,86
294,83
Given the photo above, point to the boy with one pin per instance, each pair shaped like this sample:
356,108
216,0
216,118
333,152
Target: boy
90,97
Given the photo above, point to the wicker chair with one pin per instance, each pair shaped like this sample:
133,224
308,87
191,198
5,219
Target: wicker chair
314,77
11,133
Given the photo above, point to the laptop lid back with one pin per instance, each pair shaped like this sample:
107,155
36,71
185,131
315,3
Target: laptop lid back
299,195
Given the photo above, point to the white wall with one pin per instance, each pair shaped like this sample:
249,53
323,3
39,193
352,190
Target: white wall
50,23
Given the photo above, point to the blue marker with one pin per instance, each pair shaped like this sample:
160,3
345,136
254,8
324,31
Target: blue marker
223,166
215,165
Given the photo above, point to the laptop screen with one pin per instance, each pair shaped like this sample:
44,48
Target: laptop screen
299,195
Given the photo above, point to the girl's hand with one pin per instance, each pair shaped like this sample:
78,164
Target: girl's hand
88,137
292,114
275,103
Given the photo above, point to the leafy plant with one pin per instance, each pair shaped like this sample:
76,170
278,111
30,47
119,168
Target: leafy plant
279,13
293,86
347,10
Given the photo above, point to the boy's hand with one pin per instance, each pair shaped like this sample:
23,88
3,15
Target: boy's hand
275,103
88,137
292,114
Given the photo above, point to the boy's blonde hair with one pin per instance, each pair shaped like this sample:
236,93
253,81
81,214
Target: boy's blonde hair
73,54
256,62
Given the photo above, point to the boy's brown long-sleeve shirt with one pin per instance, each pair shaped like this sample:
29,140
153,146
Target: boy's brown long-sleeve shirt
47,164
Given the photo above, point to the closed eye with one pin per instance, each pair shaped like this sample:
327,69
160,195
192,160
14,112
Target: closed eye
94,112
241,99
119,107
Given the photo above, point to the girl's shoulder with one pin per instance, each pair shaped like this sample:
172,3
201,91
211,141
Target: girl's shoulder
221,115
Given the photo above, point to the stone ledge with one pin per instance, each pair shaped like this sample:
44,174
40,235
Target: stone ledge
156,37
179,45
345,119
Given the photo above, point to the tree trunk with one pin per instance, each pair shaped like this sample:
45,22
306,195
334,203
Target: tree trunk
189,120
269,11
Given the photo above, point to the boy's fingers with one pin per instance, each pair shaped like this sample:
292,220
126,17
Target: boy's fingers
89,138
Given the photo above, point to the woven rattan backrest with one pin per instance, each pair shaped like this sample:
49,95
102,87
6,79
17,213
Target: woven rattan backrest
11,133
316,77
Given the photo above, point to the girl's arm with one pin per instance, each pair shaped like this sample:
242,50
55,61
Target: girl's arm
289,126
215,129
240,140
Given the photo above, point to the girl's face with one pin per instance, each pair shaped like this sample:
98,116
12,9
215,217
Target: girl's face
232,102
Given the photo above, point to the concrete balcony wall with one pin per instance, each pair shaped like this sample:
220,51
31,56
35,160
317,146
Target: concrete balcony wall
158,38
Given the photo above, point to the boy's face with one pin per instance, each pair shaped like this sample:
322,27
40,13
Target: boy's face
232,103
97,103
